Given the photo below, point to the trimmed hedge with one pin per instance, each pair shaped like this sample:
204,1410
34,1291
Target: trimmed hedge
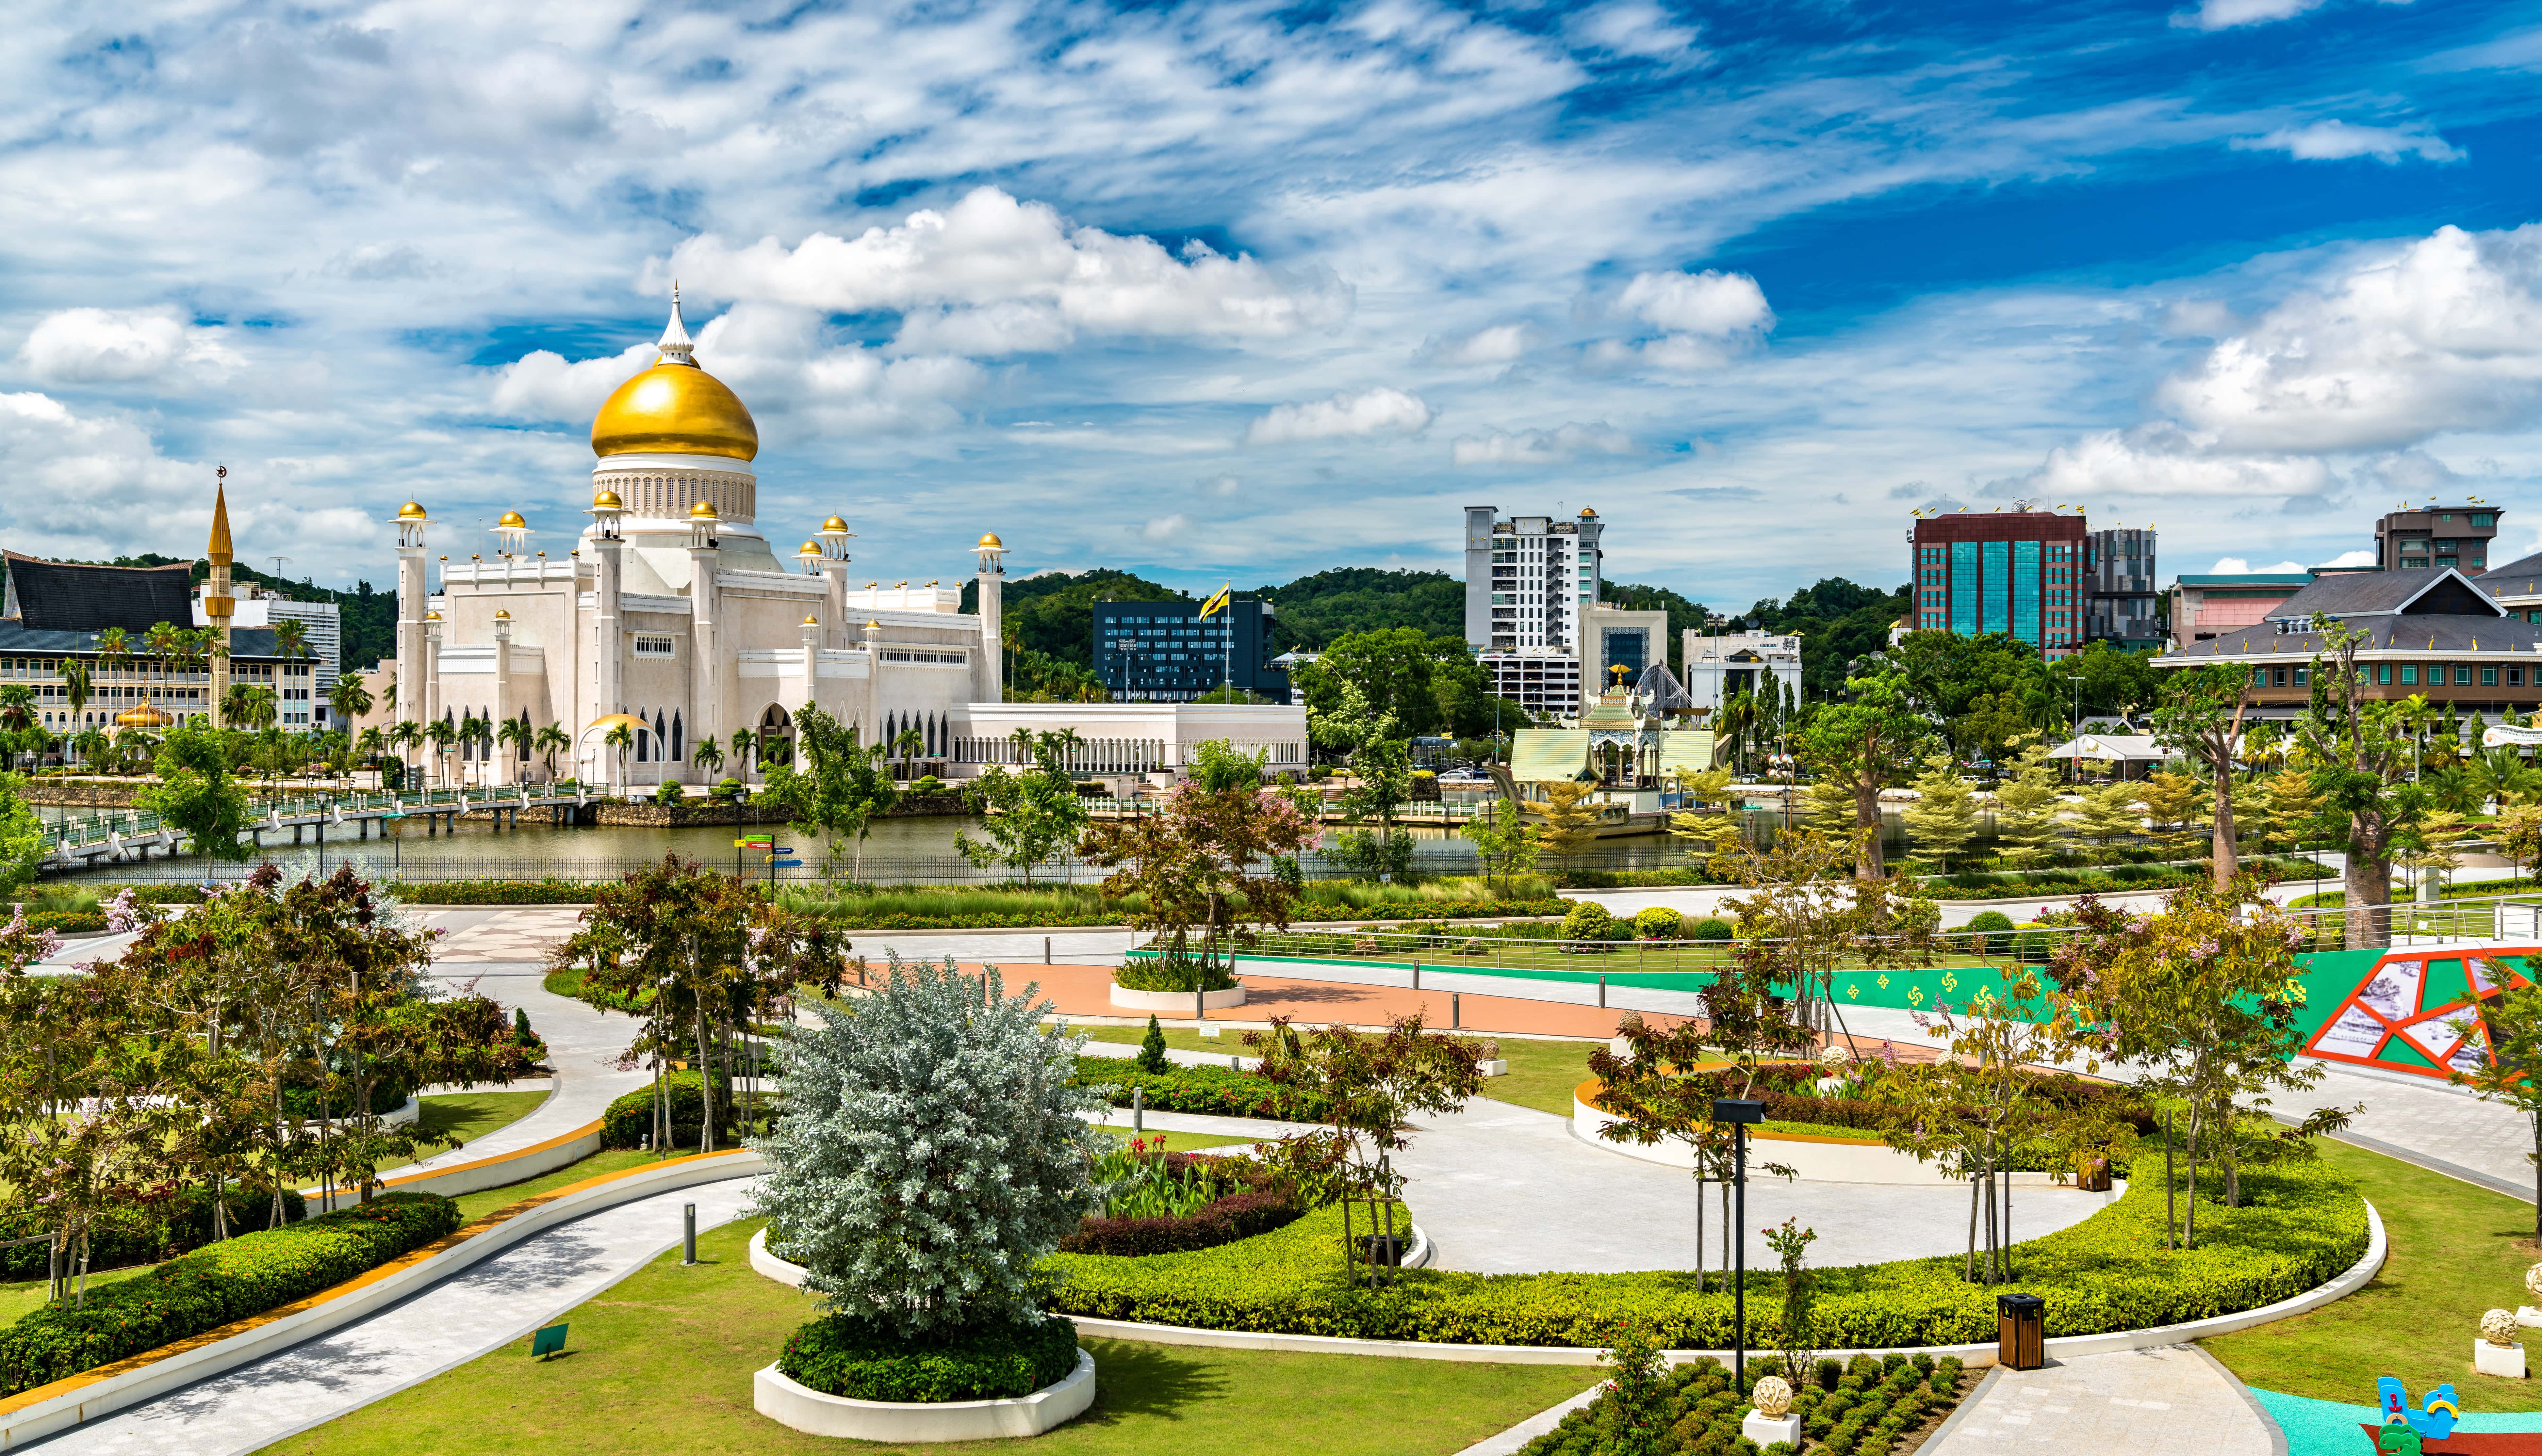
1235,1217
67,923
1218,1091
213,1285
1857,1409
628,1121
2304,1225
142,1236
843,1355
489,892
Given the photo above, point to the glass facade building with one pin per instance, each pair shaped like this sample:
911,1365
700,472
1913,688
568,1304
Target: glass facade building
2017,572
1163,652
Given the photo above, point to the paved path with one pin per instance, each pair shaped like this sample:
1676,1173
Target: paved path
2170,1400
465,1316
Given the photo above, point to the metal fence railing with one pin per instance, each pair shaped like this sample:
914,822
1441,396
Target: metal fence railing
96,828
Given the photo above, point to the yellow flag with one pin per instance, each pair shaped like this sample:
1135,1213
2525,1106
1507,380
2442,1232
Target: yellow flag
1218,602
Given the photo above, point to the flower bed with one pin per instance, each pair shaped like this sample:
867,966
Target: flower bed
213,1285
1861,1407
1211,1090
2301,1226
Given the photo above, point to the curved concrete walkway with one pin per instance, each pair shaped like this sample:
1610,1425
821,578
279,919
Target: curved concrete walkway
479,1310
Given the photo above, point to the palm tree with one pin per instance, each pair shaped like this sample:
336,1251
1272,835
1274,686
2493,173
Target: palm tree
92,743
439,734
743,740
622,737
77,688
349,698
370,744
552,741
17,711
112,646
251,706
907,746
707,756
403,735
469,727
517,734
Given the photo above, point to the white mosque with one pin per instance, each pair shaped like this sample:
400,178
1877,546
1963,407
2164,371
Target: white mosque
674,617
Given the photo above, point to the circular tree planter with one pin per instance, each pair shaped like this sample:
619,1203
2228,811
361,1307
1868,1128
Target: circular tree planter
809,1411
1154,1000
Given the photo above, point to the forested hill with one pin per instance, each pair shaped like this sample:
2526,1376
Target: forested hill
1315,610
1839,621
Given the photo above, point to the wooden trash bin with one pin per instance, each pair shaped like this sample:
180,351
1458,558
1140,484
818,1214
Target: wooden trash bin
2021,1332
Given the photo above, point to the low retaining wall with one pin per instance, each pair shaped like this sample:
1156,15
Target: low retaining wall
519,1166
809,1411
2065,1346
47,1410
1156,1000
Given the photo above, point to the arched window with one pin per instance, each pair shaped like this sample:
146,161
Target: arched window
679,738
644,739
662,735
521,749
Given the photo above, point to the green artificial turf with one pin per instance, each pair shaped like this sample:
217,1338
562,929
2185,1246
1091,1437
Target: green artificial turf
662,1363
2456,1251
1182,1143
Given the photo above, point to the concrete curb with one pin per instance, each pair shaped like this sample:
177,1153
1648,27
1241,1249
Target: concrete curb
1974,1357
50,1408
809,1411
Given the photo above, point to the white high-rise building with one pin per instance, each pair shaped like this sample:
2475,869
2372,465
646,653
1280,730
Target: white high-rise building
1530,582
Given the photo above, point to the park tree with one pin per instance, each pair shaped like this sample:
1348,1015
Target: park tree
1713,822
839,791
197,792
2027,803
22,835
700,958
1944,817
1797,927
1027,816
1570,818
1503,840
2109,811
2199,716
1864,744
2360,750
932,1152
1182,873
1372,1085
2174,802
2508,1027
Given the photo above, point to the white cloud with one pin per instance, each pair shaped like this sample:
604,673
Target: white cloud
1711,303
541,384
1220,488
1635,28
1165,528
2219,14
2163,460
1497,344
2338,141
2236,566
991,274
2444,333
1372,411
89,345
1539,447
2362,556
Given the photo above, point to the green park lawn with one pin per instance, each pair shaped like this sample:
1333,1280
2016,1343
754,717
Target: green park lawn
2456,1251
468,1116
1541,1074
662,1363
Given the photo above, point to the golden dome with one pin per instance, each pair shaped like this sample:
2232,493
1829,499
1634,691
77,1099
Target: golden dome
990,542
606,500
811,621
810,548
834,524
146,715
411,512
701,512
432,617
502,616
512,519
674,408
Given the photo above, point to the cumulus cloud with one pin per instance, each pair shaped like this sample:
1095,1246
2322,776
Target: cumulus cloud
1220,486
2164,460
1635,28
1539,447
1497,344
1165,528
99,345
993,274
1706,319
2219,15
2237,566
2338,141
1381,410
543,384
2362,556
2444,333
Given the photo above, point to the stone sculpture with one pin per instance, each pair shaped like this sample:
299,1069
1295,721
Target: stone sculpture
1773,1397
2497,1327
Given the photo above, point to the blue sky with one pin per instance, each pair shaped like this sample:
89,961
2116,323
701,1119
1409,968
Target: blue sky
1247,291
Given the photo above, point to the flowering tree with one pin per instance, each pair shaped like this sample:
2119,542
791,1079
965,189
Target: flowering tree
1185,868
930,1153
1029,816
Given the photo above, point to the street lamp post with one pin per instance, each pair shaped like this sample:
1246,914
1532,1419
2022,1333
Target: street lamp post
1740,1112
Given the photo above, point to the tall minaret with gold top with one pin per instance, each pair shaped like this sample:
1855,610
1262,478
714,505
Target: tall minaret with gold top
218,604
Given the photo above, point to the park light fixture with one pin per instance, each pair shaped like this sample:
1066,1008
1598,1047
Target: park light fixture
1740,1112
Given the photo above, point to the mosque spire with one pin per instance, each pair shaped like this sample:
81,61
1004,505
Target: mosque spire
218,553
675,346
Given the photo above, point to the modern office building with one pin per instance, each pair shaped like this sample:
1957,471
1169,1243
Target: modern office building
2433,538
1721,665
303,706
2206,606
1165,652
2120,603
2431,633
2019,571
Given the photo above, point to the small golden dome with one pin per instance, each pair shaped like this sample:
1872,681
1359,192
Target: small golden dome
432,617
502,616
512,521
902,583
810,548
674,408
834,524
701,512
1587,514
811,621
411,512
608,500
990,542
873,625
146,715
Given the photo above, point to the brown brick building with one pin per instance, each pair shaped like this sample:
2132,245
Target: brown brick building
2431,633
2020,572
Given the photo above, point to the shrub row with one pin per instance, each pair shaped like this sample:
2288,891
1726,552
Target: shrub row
841,1354
628,1121
1218,1091
67,923
2303,1226
489,892
1235,1217
141,1235
1855,1409
215,1284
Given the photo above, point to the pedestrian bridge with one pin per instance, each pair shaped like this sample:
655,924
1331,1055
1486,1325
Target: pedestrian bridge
130,835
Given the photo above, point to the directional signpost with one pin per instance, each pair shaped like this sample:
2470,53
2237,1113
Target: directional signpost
749,841
777,862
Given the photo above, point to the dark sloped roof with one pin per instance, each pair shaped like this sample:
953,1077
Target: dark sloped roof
2386,634
65,596
2515,579
2362,594
16,637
